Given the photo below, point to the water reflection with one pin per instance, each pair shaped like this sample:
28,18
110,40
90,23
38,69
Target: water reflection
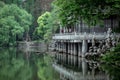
13,66
75,68
26,65
17,65
112,70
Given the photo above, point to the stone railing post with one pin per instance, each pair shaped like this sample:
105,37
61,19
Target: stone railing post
84,45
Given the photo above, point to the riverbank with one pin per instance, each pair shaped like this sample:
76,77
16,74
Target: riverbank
34,46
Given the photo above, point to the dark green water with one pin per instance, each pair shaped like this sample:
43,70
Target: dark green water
21,65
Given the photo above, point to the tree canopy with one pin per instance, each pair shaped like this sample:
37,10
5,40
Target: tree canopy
14,22
91,11
42,22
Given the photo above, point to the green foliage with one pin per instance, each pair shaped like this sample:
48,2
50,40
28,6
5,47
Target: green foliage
47,25
117,30
91,11
14,22
113,57
42,22
1,4
50,22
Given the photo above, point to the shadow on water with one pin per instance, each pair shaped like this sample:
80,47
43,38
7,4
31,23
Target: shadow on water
27,65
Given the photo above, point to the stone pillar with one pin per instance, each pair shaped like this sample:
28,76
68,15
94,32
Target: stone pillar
68,47
75,52
72,49
79,49
56,47
59,47
64,47
84,47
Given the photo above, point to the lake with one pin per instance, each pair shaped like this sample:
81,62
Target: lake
28,65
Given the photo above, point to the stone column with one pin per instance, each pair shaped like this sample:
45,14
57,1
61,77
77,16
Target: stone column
56,46
59,47
72,48
64,47
75,52
79,49
68,47
84,47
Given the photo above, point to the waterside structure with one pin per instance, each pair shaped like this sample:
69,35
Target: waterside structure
82,40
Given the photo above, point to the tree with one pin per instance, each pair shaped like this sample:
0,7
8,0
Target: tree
48,24
42,22
91,11
14,22
34,7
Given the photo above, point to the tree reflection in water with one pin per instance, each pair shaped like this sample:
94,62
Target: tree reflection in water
112,70
13,67
17,65
45,70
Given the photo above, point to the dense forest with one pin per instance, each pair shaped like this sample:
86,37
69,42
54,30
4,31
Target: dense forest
18,19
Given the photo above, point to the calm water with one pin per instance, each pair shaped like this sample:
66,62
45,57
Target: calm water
24,65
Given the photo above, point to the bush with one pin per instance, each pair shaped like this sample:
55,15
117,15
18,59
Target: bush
112,57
